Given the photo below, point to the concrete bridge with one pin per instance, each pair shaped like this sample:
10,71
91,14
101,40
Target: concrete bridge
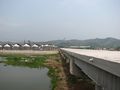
102,66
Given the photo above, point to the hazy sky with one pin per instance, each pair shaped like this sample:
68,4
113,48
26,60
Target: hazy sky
57,19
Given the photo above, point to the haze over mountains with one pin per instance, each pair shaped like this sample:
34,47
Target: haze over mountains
102,43
55,19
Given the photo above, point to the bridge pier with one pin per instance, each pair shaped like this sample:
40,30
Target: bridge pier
74,70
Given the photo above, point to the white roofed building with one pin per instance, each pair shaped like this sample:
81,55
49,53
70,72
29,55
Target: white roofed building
16,47
35,47
7,47
48,47
26,47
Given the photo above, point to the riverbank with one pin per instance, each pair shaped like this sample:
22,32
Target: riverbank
36,59
61,79
65,80
55,63
27,52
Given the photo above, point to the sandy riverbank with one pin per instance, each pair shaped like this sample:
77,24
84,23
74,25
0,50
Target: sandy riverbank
27,52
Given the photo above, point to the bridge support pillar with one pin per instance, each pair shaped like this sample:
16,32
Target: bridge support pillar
74,70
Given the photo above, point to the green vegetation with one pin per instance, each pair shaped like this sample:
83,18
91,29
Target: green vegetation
54,78
94,43
34,62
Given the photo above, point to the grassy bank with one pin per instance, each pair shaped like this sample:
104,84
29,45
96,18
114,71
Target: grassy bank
52,73
34,61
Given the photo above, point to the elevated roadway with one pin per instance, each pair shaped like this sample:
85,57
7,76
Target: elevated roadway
102,66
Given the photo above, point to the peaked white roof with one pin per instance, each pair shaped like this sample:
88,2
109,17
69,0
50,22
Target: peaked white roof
16,45
26,45
35,45
6,45
46,45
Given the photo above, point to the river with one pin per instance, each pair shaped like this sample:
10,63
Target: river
23,78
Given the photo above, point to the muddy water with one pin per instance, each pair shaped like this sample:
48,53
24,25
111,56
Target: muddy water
23,78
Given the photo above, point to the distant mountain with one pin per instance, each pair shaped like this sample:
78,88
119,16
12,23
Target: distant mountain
95,43
103,43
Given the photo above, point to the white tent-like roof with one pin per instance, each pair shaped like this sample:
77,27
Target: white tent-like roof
35,45
7,45
42,45
26,45
16,45
46,45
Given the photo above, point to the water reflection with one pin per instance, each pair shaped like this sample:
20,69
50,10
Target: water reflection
23,78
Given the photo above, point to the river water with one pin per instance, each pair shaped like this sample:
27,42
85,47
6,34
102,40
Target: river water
23,78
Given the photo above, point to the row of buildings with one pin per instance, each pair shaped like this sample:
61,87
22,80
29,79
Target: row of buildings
27,46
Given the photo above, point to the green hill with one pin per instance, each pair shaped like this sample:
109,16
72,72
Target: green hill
102,43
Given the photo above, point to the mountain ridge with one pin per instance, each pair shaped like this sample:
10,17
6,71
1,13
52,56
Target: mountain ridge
108,42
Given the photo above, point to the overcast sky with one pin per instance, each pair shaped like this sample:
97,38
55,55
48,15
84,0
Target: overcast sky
41,20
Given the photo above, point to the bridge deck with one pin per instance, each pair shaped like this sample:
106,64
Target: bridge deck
113,56
101,66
